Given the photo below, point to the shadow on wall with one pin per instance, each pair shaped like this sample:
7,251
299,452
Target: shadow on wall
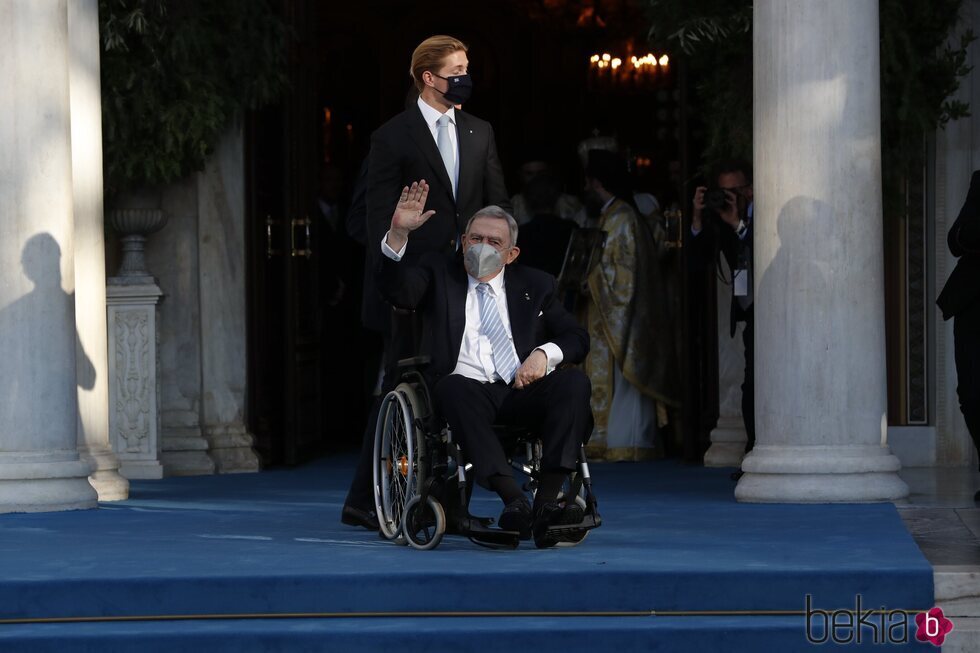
38,376
795,287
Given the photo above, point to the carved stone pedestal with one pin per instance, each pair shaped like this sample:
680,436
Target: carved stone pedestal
134,424
231,449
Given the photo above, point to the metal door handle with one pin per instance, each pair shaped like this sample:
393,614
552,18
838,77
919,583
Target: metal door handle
306,252
270,251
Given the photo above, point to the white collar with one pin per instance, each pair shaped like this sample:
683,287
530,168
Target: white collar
497,283
431,116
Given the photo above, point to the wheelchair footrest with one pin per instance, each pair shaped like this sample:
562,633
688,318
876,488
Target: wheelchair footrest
588,523
478,529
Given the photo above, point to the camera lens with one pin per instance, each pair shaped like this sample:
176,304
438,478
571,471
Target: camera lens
715,199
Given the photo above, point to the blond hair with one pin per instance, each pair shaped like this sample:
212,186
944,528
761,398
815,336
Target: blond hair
429,56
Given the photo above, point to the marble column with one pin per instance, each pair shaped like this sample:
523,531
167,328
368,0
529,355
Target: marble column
728,438
819,308
39,464
221,247
90,303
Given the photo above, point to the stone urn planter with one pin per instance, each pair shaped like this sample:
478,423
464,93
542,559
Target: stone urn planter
135,216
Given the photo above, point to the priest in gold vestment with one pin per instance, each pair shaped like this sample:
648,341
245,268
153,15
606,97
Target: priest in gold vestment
632,361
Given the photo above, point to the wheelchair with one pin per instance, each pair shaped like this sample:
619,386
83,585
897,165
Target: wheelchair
421,490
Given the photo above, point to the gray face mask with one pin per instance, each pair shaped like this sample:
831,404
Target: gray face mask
482,260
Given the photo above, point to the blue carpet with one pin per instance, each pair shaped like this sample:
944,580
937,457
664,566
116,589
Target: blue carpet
437,635
673,540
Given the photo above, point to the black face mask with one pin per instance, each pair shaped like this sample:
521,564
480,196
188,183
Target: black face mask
460,88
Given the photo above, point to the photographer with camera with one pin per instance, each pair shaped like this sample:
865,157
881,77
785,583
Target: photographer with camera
721,223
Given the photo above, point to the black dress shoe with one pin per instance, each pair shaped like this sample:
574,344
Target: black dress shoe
356,517
516,516
551,514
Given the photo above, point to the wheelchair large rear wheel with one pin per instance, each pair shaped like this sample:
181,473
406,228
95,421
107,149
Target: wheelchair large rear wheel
398,452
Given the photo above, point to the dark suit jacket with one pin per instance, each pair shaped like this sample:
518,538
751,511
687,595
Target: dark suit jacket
437,285
403,151
962,289
717,236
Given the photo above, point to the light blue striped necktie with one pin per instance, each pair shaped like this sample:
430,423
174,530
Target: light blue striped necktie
446,149
504,356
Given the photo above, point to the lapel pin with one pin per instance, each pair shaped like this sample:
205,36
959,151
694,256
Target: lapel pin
527,297
471,131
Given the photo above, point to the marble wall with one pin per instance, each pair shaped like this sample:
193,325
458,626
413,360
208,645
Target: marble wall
221,275
199,260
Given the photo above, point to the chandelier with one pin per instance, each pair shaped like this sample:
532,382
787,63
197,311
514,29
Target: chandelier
608,68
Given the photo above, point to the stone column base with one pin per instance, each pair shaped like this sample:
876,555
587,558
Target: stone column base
231,449
105,478
727,443
141,469
33,484
820,474
185,454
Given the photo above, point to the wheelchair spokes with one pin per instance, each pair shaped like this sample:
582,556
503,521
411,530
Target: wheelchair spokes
398,451
424,522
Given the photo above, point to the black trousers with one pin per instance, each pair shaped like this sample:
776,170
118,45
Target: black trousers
401,341
556,407
748,382
966,340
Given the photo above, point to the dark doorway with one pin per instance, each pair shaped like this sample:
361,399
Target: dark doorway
348,71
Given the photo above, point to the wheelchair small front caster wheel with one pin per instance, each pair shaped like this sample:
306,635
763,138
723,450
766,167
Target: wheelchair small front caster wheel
423,524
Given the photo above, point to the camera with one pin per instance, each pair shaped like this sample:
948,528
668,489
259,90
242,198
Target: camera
715,199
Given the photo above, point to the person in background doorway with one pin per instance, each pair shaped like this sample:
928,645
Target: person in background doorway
565,206
721,224
631,363
544,239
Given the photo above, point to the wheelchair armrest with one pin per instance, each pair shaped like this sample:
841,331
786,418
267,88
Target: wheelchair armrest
414,362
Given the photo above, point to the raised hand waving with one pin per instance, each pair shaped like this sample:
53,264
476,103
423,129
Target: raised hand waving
410,213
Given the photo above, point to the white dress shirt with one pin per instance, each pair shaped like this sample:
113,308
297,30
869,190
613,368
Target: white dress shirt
475,360
431,116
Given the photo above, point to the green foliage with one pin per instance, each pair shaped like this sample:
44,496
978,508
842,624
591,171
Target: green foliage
715,37
920,71
175,75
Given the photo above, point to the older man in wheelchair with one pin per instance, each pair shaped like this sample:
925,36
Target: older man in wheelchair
494,353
